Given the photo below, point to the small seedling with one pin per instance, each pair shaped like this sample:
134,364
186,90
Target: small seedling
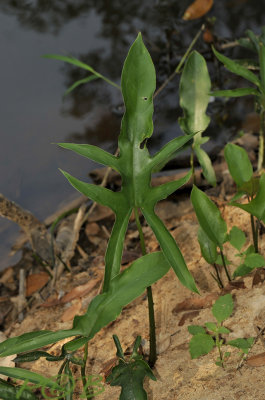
206,338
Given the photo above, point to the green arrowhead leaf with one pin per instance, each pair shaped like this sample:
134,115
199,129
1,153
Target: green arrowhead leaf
209,217
200,344
239,165
194,93
135,166
223,307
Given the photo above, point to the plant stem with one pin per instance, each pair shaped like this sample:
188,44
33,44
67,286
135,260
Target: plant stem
183,59
88,391
261,157
192,166
225,267
254,233
254,229
218,278
152,331
218,344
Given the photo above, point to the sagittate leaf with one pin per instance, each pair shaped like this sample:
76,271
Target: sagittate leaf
103,309
200,344
206,164
194,93
208,247
237,238
239,165
223,307
135,166
209,217
237,69
257,206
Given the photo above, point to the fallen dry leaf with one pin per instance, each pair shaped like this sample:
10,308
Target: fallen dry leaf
92,229
7,275
35,282
51,302
197,9
99,213
71,312
129,256
80,291
257,360
107,367
189,315
195,303
258,277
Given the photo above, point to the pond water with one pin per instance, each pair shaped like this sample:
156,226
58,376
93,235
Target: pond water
34,114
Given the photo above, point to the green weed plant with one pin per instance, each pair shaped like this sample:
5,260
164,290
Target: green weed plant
206,338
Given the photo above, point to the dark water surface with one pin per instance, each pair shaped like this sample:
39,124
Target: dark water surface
33,113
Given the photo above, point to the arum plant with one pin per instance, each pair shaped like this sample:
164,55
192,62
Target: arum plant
256,44
135,166
194,93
